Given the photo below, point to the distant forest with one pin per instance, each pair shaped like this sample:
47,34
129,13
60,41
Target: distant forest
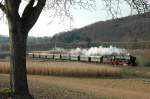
33,43
128,32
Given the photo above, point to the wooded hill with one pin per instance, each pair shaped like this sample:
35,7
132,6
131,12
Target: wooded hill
131,29
128,29
127,32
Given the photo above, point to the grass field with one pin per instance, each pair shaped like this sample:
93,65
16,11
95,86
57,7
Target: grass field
50,87
73,69
76,80
79,69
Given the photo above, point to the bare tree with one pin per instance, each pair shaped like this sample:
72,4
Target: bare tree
137,6
20,25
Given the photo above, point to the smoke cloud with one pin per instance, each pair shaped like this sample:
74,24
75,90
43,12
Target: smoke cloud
99,51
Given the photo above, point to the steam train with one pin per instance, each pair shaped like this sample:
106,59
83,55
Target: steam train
119,60
125,60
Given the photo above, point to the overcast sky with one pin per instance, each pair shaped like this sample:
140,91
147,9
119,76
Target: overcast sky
81,18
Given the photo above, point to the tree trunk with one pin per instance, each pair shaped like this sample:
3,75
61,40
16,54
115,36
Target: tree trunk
19,27
18,77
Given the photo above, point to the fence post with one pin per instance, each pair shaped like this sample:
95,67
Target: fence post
39,56
53,56
79,58
89,59
69,57
33,55
45,57
101,59
60,57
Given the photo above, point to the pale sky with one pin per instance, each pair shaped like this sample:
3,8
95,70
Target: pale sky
81,18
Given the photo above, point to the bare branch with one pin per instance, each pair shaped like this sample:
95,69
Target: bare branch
12,8
28,8
139,6
113,7
32,13
62,8
2,7
13,5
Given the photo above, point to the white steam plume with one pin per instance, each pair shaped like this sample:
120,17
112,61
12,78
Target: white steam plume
99,51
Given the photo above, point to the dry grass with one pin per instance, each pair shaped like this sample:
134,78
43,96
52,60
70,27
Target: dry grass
66,69
113,88
4,67
77,88
40,90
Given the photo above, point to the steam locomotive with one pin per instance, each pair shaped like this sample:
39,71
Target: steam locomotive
119,60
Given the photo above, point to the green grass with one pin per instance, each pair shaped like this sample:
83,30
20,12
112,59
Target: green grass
143,61
6,91
136,72
142,55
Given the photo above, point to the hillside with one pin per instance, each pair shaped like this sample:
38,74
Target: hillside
127,32
128,29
